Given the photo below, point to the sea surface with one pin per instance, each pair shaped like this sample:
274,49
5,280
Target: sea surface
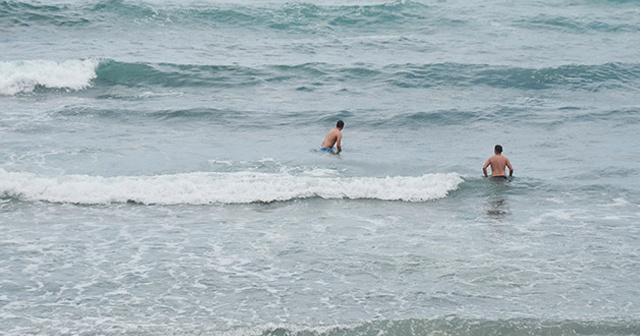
160,171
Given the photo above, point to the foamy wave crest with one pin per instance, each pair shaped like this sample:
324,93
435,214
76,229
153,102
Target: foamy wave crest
225,188
25,76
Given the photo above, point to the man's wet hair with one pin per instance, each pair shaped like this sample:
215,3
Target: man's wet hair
498,149
340,124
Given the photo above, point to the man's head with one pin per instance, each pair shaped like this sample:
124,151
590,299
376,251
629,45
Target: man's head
340,124
497,149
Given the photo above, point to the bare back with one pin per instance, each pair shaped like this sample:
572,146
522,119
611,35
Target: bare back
333,138
498,164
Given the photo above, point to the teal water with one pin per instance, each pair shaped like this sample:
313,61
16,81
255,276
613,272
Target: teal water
160,172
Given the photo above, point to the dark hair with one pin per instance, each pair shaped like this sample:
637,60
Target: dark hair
498,149
340,124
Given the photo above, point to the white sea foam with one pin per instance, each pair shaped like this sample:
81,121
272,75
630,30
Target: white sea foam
24,76
225,188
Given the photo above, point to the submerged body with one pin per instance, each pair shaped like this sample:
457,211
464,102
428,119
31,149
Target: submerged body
333,138
498,164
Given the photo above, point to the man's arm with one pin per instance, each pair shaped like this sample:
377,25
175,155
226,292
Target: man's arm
510,167
484,168
339,143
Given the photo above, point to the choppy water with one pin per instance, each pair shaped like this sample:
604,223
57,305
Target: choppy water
160,172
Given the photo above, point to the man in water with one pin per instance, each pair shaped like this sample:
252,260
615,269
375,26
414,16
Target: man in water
334,137
498,162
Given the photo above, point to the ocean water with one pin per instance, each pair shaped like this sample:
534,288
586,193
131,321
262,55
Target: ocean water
160,171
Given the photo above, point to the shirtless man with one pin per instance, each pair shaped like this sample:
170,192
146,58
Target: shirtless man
334,137
498,162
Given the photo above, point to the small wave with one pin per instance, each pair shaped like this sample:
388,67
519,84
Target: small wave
305,17
580,77
21,14
576,25
25,76
288,16
586,77
415,120
577,77
112,73
455,326
292,17
225,188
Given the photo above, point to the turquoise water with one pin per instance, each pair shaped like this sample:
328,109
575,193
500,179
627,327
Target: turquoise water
160,171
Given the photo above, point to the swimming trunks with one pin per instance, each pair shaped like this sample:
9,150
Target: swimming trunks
499,177
326,149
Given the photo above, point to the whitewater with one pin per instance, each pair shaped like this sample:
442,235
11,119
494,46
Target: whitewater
206,188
